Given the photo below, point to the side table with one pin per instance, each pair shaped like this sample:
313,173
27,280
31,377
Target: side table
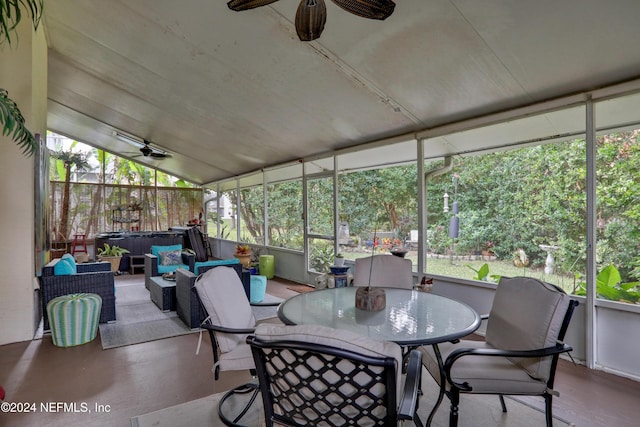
163,293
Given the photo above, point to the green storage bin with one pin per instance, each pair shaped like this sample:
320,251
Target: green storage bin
267,266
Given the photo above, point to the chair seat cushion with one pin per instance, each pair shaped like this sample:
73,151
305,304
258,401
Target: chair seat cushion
238,359
215,263
485,374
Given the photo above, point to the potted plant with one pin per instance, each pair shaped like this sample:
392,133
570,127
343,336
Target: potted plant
338,260
243,253
112,254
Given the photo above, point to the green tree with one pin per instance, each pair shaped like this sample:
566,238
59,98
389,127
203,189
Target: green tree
69,160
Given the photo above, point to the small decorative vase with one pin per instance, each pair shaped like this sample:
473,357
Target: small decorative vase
338,262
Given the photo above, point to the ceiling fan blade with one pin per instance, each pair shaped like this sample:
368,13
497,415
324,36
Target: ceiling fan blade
239,5
310,19
156,155
372,9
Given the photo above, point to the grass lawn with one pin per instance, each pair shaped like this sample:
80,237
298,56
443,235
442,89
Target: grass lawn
460,268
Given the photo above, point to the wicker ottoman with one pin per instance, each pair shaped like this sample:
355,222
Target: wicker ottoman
74,319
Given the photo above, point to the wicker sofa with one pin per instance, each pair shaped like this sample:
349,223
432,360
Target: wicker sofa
95,277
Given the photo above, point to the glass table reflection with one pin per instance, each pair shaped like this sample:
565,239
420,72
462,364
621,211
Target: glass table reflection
410,318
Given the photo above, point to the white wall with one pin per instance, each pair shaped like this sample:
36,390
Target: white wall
618,340
23,72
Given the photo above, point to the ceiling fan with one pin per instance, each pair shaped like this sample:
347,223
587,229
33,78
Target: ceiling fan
145,147
312,14
147,151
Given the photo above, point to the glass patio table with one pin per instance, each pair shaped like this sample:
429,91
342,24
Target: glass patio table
411,318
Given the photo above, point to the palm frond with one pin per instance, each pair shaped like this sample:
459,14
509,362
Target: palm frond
11,15
13,124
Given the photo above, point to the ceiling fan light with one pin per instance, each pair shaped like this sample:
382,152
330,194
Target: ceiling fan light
310,19
372,9
239,5
129,139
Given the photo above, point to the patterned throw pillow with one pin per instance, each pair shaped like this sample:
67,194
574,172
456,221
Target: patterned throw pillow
170,258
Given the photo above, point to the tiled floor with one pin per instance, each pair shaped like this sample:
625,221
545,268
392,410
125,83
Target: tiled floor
117,384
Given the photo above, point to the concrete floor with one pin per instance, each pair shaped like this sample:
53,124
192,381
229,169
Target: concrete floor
120,383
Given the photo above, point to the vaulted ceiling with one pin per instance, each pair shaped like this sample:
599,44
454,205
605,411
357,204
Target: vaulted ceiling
226,93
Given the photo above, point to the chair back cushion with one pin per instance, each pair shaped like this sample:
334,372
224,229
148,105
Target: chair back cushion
223,297
527,314
341,339
386,270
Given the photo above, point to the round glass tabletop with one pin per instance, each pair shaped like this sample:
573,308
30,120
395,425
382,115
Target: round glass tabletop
409,318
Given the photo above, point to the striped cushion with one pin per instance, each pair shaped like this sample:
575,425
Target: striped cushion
74,318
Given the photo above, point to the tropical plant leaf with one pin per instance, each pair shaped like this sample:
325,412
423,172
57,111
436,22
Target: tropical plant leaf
11,15
482,273
608,277
629,285
13,124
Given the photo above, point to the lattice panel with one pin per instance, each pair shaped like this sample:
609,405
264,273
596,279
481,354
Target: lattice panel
323,390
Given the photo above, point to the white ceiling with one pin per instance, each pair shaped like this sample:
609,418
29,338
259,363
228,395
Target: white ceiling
228,93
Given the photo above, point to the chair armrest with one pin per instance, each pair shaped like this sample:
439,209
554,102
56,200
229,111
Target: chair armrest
190,260
265,304
494,352
185,277
224,329
150,265
410,393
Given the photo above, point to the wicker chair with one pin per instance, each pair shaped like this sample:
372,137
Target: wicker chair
95,278
151,264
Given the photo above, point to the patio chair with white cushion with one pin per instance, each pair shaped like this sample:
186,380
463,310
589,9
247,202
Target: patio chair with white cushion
526,326
384,270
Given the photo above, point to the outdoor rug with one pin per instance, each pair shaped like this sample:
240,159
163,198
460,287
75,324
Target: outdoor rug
263,313
475,410
301,289
140,320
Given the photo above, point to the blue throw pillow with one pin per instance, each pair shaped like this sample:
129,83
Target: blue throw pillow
72,261
63,268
